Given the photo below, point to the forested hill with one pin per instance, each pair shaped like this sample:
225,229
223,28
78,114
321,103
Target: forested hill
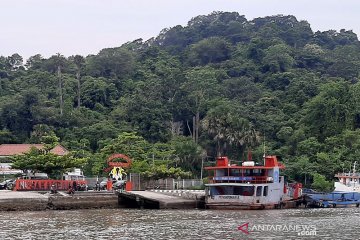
219,85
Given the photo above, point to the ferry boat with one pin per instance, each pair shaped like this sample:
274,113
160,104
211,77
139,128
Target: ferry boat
250,186
348,182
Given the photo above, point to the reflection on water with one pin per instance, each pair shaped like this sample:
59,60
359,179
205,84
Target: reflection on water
335,223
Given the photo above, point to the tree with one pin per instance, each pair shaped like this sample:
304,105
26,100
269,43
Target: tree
97,91
6,137
200,86
58,62
162,172
15,62
309,147
79,62
301,169
17,113
329,112
130,144
210,50
187,154
242,89
44,161
320,183
110,62
229,128
277,58
43,133
34,62
311,56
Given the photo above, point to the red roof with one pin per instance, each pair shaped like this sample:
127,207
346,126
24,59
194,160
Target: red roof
16,149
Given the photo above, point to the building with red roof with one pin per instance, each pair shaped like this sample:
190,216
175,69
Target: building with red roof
7,150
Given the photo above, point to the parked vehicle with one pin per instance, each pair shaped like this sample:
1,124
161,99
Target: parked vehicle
3,185
36,176
75,174
7,184
103,184
119,185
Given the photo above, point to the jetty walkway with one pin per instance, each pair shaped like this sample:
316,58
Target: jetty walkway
156,199
162,199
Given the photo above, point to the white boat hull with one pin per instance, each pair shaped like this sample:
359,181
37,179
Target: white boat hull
339,187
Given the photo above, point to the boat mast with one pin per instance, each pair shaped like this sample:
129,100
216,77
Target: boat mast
264,150
354,168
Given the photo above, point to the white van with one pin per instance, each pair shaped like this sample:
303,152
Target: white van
75,174
36,176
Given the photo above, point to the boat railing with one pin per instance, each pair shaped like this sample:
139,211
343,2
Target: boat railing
240,179
347,175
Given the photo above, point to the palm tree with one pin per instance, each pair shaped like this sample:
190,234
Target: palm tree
228,127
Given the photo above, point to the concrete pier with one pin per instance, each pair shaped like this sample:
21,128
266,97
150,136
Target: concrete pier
14,201
161,199
157,200
34,201
83,200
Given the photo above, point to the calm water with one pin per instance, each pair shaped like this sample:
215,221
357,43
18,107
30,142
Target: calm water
338,223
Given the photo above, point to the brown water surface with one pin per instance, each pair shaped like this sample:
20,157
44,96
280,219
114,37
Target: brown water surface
331,223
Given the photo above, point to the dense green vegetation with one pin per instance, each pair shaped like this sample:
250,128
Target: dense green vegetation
220,85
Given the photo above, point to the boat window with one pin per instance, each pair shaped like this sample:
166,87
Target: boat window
235,172
265,191
248,172
233,190
221,190
244,190
258,191
257,172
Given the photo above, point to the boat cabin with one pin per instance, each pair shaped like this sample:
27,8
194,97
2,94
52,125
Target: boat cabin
348,182
249,172
249,185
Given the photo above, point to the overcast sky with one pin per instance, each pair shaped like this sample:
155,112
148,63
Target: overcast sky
29,27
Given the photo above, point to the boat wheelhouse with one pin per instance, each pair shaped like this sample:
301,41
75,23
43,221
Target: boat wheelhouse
348,182
249,186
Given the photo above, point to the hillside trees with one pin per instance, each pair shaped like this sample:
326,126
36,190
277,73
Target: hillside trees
210,87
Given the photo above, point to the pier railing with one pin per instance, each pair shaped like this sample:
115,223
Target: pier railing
141,183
